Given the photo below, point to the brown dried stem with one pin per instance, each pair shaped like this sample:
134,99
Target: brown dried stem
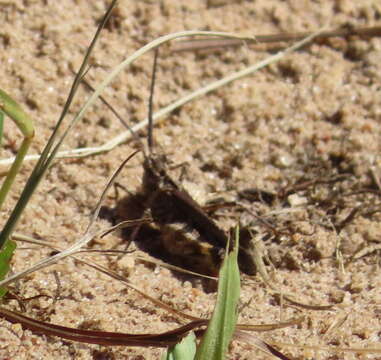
214,43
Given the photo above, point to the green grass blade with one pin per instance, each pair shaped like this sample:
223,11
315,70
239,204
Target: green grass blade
1,126
18,115
185,350
24,122
5,258
215,342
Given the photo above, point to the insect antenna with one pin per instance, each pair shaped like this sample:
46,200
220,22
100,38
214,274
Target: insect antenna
150,103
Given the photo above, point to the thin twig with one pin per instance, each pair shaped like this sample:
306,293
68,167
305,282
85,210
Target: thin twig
213,43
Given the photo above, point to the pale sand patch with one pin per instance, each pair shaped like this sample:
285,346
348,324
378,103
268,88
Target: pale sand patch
264,131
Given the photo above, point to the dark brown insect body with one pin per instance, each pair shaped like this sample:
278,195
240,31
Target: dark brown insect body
179,224
169,203
186,232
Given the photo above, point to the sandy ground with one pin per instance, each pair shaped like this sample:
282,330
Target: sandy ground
315,115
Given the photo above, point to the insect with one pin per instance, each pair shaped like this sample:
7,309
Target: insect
10,108
179,224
